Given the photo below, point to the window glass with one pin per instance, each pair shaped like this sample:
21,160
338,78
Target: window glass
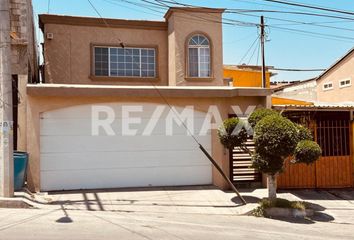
101,61
125,62
199,56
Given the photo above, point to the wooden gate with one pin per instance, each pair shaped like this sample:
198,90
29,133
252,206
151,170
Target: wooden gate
335,168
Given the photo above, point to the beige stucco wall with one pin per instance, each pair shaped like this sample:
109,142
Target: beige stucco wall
37,105
344,70
181,26
68,55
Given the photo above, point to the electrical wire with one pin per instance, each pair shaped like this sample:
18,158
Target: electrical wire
254,51
237,10
321,8
104,20
131,8
228,21
157,90
299,22
248,50
48,6
193,17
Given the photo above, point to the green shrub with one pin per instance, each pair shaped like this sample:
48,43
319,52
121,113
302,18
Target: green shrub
303,133
280,203
307,152
259,114
232,133
269,164
275,135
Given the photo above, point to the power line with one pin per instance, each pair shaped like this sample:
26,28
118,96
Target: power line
228,21
254,51
315,34
210,158
160,4
310,6
48,6
249,49
191,16
104,20
238,10
299,22
131,8
311,13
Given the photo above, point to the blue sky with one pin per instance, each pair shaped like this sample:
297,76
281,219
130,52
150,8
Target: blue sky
284,49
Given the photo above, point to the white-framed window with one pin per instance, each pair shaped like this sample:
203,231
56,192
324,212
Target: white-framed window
199,56
124,62
345,83
327,86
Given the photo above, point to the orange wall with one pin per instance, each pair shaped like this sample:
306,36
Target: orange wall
245,78
286,101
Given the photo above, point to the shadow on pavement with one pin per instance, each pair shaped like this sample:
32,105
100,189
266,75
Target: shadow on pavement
66,218
329,194
248,199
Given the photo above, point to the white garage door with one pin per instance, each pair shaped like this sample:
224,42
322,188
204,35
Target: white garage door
72,157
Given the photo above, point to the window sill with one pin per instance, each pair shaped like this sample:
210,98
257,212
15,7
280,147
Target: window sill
124,79
345,86
203,79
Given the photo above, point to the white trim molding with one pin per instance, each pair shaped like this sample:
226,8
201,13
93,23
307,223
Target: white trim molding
347,83
327,86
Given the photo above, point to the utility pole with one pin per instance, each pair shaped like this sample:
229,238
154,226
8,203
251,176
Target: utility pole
6,118
264,79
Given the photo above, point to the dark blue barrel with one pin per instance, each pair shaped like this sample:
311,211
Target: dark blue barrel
20,168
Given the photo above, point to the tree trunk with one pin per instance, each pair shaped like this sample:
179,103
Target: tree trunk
272,187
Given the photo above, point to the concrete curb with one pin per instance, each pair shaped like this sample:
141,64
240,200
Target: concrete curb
288,212
14,203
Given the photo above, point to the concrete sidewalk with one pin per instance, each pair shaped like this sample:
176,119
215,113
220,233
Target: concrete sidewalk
173,213
331,206
196,200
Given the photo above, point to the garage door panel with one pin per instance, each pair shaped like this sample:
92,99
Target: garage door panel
83,127
85,111
115,178
88,160
71,158
51,144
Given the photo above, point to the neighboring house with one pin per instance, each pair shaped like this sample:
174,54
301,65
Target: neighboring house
246,75
24,61
305,90
332,127
335,84
142,65
324,104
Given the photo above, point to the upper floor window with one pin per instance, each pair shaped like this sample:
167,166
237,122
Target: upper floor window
327,86
345,83
199,56
124,62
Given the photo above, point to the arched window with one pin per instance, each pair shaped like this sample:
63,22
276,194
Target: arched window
199,56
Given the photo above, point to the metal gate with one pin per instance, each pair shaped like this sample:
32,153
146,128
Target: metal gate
335,167
241,171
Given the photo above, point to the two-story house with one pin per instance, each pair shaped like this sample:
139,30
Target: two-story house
141,78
